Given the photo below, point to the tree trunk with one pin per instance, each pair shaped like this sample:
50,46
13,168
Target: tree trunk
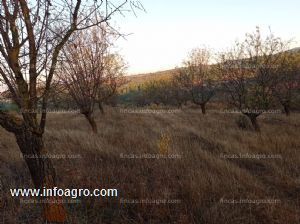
92,122
42,173
253,119
101,108
203,109
287,110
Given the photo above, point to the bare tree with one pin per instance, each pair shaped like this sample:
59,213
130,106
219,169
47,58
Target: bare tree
287,79
248,70
197,77
178,94
114,78
32,35
166,92
82,70
156,92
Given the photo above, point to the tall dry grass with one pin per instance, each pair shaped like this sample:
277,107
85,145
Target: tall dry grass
195,182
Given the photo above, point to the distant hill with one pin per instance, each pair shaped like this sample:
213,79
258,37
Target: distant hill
136,80
295,50
139,79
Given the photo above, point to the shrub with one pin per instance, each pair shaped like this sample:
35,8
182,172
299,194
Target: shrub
243,123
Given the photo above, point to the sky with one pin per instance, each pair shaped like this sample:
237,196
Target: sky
161,37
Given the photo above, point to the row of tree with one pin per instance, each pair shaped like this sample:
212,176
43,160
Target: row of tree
254,76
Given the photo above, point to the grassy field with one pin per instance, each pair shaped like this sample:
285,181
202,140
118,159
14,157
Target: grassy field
202,171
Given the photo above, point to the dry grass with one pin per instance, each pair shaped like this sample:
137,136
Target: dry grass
198,180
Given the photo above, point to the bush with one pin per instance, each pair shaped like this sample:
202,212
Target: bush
244,123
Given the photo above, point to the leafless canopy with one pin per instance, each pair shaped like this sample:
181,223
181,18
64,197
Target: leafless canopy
196,76
83,69
89,71
32,35
248,71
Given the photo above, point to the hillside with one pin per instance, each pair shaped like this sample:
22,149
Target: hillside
295,50
136,80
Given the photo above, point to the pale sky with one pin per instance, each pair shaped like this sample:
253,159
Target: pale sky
162,37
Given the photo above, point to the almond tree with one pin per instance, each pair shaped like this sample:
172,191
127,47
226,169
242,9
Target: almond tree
287,80
32,35
248,72
112,80
196,77
178,95
82,70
